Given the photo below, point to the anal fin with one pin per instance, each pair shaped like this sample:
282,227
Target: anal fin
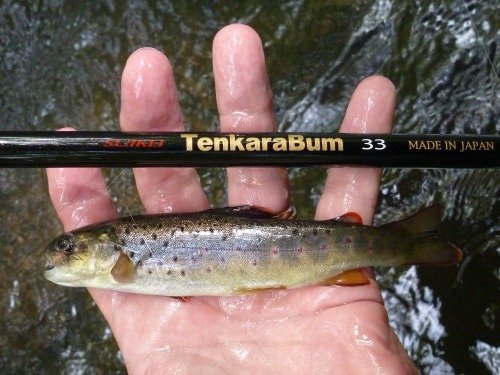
258,290
347,278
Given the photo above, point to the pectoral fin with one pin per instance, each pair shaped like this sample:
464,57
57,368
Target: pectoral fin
124,269
349,277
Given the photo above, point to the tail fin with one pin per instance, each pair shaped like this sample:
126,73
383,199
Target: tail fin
427,248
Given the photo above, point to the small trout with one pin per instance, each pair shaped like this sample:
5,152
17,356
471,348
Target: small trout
238,250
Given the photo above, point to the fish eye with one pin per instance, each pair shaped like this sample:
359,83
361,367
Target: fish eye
65,244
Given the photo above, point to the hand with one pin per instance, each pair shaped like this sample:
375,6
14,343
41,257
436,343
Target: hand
309,330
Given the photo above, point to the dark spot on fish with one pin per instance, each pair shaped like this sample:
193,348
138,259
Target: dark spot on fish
160,225
315,232
209,270
322,246
222,259
154,236
127,230
328,231
169,272
175,258
165,244
275,251
172,232
142,241
139,263
150,271
300,250
224,237
205,249
131,254
211,230
348,240
117,247
193,258
183,273
254,262
160,263
303,235
84,246
295,231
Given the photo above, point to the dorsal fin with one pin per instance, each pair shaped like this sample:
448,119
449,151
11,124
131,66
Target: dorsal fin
255,212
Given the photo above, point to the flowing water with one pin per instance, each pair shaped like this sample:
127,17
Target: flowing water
60,63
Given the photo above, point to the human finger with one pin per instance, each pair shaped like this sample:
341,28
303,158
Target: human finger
149,104
370,110
244,100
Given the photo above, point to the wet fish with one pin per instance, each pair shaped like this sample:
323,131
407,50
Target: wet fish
239,250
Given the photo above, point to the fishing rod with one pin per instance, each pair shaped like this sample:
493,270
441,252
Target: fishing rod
205,149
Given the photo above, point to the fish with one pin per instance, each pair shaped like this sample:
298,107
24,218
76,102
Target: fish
239,250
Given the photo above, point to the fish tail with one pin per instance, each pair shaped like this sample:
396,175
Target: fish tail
427,247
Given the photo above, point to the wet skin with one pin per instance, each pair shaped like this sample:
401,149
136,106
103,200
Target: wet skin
323,329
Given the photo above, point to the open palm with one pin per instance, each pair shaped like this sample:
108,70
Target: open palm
323,329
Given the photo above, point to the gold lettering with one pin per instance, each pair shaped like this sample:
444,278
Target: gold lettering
189,140
205,144
235,143
296,142
280,144
450,145
332,144
316,146
253,144
221,143
265,142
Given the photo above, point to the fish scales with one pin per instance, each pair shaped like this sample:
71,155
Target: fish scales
223,252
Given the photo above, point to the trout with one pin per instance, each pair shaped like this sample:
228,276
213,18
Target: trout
239,250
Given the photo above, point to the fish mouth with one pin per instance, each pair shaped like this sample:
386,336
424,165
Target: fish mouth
62,276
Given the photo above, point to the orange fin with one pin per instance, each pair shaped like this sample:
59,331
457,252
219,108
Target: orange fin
124,269
350,218
349,277
258,290
289,214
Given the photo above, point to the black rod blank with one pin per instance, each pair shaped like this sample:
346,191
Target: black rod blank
202,149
